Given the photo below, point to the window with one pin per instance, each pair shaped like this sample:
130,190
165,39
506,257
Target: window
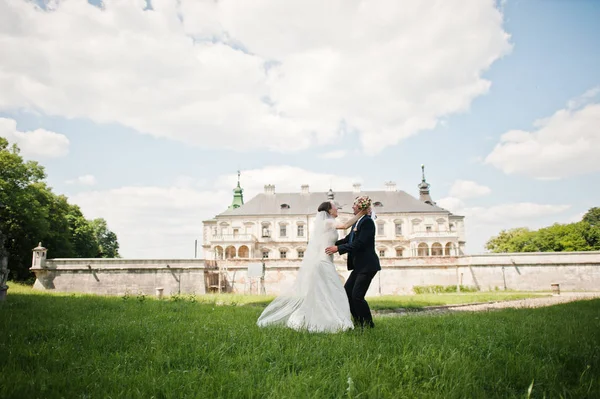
378,204
265,254
285,206
451,226
236,232
380,229
382,253
428,229
300,230
399,252
300,253
266,232
282,230
215,231
283,253
398,229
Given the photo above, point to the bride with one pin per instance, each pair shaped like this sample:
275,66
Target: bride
317,301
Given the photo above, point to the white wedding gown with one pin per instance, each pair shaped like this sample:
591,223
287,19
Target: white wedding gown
317,301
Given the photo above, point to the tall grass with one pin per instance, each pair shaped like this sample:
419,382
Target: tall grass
74,346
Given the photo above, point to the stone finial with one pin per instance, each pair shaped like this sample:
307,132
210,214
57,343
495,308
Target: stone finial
330,195
356,187
269,189
304,189
390,186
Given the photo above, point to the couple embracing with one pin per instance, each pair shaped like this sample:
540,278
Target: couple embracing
317,301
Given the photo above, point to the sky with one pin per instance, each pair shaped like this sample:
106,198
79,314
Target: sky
143,111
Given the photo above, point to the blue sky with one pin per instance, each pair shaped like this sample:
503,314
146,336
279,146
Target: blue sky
105,104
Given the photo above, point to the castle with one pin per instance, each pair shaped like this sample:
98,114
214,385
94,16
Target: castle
277,225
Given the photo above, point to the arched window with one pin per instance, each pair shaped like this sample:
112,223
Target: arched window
218,252
243,252
230,252
437,250
423,249
285,206
448,250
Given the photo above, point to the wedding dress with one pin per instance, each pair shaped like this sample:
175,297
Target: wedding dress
317,301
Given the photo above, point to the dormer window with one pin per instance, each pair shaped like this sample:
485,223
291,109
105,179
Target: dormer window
285,206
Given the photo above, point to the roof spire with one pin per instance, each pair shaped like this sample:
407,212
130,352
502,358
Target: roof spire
424,188
238,194
330,195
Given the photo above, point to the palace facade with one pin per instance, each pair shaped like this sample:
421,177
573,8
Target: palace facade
278,225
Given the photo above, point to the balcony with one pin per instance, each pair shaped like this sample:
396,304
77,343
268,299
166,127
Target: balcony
433,234
233,238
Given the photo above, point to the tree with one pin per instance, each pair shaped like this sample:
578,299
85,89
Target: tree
513,240
592,217
22,219
579,236
107,240
31,213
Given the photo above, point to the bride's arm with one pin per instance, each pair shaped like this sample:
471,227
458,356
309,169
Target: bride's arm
344,226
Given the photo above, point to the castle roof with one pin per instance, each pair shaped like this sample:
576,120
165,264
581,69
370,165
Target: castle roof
307,203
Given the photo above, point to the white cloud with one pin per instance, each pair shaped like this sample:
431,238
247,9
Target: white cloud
464,189
482,223
85,180
163,222
566,144
39,143
247,75
452,204
336,154
522,212
154,222
287,179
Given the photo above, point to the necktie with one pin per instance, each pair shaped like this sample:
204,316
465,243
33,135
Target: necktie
351,236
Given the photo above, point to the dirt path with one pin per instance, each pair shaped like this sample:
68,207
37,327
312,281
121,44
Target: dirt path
479,307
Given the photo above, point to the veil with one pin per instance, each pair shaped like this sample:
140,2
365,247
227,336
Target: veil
278,311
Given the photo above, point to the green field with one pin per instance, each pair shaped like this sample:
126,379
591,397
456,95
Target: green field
78,346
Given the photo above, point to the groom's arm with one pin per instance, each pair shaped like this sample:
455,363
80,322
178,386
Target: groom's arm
367,230
342,241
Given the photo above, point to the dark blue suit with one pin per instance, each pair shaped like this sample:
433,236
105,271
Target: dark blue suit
364,263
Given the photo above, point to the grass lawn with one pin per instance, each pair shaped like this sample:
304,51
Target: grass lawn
78,346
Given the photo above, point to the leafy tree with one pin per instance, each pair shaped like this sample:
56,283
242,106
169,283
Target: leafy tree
23,219
592,217
579,236
513,240
30,212
107,240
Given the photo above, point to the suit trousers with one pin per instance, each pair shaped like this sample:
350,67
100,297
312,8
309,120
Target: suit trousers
356,288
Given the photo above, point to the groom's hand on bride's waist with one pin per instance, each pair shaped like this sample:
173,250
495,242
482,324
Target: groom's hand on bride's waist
331,250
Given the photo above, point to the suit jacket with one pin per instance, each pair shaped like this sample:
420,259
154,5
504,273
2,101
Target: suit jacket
361,251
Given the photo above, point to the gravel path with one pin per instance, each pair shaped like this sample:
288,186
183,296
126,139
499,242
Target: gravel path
479,307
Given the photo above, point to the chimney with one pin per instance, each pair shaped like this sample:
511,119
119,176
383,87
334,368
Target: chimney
390,186
356,187
270,189
304,189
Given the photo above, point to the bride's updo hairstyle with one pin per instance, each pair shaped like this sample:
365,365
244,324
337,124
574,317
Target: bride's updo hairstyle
325,207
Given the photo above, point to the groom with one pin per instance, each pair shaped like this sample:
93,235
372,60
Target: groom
362,260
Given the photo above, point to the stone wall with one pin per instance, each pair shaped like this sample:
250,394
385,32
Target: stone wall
121,276
575,271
